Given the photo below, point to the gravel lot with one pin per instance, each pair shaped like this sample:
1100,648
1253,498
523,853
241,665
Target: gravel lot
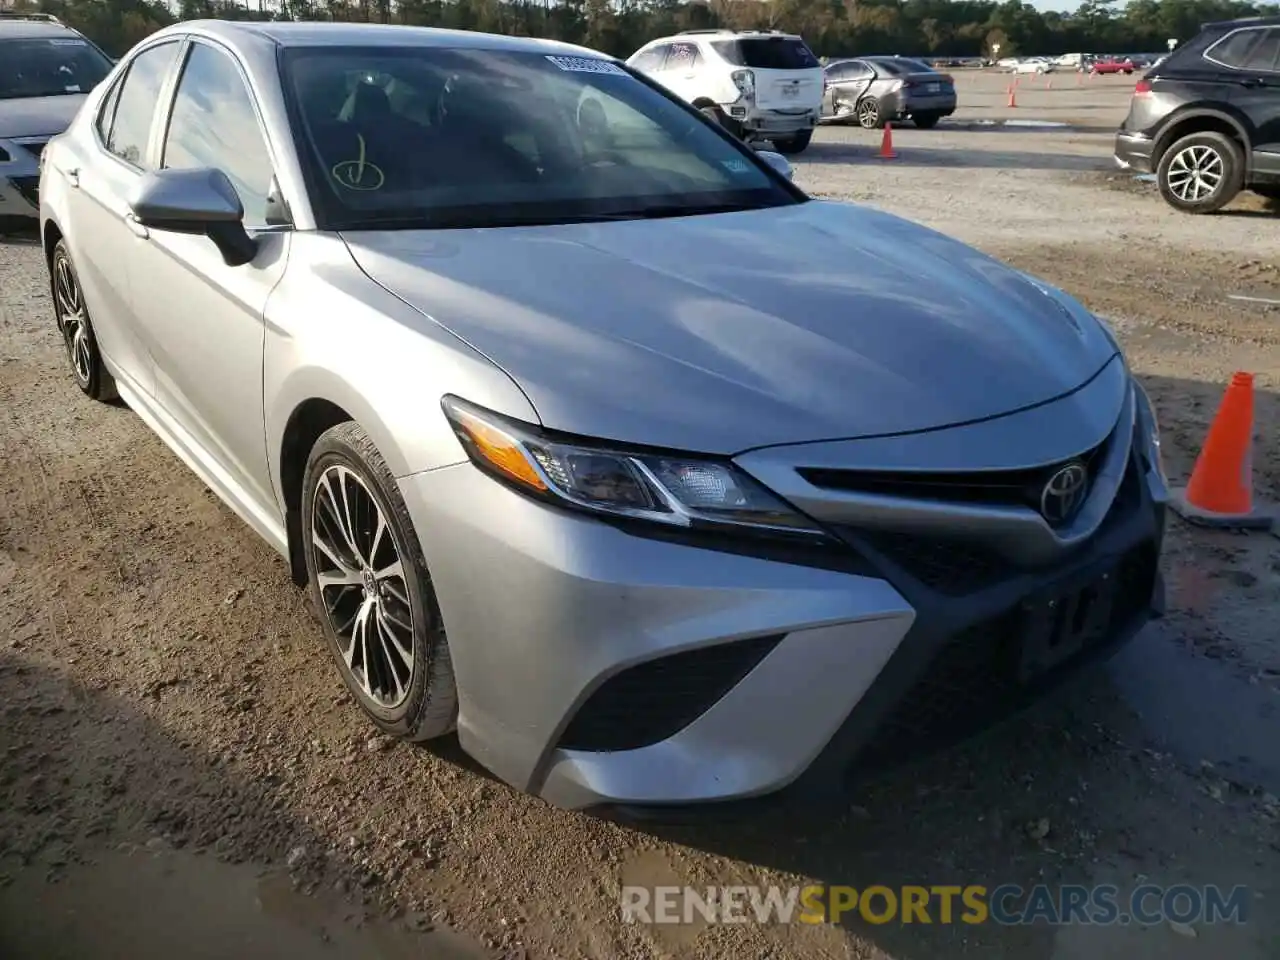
182,774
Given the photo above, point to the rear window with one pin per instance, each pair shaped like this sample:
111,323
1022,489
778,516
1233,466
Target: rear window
767,53
901,66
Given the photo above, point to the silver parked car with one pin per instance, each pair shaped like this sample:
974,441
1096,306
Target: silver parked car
592,435
46,71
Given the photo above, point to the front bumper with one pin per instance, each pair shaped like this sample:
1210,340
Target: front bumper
20,179
1133,151
596,667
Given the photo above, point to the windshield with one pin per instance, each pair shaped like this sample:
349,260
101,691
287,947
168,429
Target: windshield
430,137
49,67
767,53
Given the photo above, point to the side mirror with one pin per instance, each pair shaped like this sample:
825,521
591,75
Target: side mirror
778,162
198,202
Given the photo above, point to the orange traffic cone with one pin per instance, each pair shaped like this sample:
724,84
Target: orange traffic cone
886,143
1220,493
1013,97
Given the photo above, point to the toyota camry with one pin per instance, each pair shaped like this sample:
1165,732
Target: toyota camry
591,435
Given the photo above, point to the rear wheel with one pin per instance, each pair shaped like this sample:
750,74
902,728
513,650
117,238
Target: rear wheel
869,114
926,121
793,145
1201,172
72,316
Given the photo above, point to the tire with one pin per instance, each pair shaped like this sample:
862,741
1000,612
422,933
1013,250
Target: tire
1189,163
926,121
72,317
414,700
794,145
869,114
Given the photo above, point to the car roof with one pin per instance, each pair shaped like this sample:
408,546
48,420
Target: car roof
313,34
1271,21
23,28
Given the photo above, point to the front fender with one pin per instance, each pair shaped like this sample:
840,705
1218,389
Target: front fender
335,335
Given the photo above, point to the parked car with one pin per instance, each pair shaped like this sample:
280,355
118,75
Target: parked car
757,85
874,90
1037,65
1112,65
1207,120
46,71
590,435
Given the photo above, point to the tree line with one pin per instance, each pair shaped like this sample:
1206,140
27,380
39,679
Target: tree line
937,28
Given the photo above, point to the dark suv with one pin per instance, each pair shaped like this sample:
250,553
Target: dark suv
1206,121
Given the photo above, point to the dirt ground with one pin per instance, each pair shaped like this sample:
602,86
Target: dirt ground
182,774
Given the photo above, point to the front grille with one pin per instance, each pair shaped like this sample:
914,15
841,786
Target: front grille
955,567
654,700
973,682
29,187
989,488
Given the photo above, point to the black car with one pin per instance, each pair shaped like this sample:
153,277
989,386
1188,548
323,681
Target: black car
1206,121
873,90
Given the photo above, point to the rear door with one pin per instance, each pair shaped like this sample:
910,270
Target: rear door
1253,58
788,75
679,71
102,243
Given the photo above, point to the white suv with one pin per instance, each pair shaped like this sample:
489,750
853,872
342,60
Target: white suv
758,85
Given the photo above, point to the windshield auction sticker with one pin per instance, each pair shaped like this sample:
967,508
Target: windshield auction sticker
586,65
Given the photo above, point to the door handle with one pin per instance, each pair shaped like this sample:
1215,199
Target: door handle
73,176
1251,82
136,228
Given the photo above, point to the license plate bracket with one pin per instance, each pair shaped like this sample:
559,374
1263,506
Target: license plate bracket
932,88
1066,619
791,91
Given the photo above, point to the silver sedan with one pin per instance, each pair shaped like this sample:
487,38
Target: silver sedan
592,436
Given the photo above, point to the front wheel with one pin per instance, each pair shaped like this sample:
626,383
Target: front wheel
368,582
925,121
1201,173
795,144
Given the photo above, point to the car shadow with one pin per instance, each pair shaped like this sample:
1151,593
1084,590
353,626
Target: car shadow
1068,792
117,838
909,155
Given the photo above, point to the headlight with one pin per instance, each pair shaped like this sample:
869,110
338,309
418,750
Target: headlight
674,490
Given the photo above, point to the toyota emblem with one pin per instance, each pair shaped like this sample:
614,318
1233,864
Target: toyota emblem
1064,493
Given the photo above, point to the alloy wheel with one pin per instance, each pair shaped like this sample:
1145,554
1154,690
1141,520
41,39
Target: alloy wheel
363,587
1195,173
73,321
868,113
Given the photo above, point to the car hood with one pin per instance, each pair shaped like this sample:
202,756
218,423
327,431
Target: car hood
38,116
720,333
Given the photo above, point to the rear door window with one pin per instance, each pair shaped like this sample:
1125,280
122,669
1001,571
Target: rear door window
136,104
1264,54
767,53
682,56
1235,49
